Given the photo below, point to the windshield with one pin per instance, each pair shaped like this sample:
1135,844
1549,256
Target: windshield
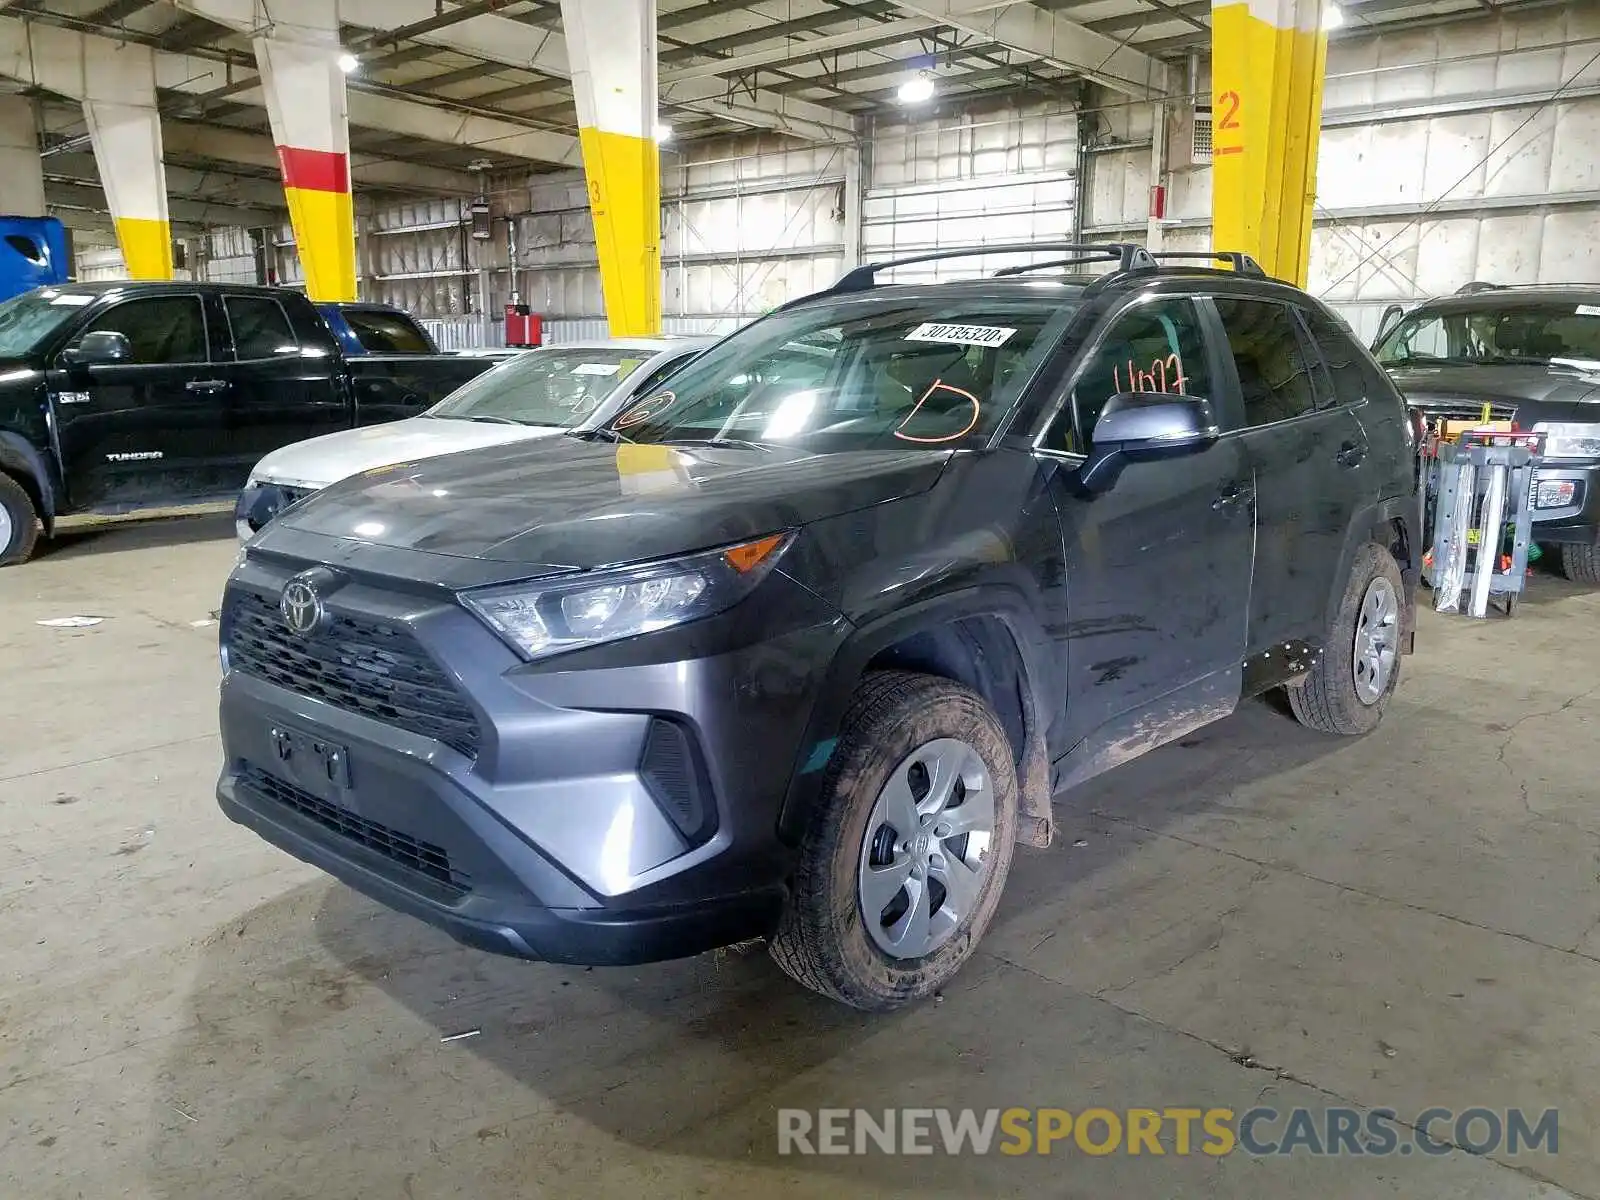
560,387
1542,334
861,373
28,319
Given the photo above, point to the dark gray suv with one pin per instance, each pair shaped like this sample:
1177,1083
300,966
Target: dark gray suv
801,647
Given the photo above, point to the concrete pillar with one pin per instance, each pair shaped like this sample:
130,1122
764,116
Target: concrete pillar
119,104
305,94
21,172
611,45
1268,61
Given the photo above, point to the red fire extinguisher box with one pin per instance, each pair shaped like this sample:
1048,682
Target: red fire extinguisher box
523,328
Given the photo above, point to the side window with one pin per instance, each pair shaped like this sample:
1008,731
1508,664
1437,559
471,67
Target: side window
1157,347
386,333
1275,373
162,329
260,328
1346,372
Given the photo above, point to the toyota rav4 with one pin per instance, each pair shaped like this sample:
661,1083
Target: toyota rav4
802,646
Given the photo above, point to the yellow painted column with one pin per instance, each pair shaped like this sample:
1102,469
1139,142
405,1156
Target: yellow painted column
119,106
1268,59
611,45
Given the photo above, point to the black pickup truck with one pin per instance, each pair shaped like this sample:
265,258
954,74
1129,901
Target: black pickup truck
121,397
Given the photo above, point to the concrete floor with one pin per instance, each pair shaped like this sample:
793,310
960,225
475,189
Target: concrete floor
1258,915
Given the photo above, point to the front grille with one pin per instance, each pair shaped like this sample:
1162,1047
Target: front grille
293,495
1461,410
360,666
424,858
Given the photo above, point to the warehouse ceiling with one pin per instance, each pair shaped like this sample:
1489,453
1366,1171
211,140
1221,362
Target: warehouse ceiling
441,89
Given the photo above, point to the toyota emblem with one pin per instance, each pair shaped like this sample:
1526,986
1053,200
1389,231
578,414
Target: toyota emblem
301,606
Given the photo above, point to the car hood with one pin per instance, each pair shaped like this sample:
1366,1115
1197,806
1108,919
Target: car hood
565,503
319,461
1535,393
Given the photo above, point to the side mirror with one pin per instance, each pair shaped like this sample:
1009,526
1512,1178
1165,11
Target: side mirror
100,346
1141,426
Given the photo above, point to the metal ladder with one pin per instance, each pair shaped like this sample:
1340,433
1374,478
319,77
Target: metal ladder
1482,483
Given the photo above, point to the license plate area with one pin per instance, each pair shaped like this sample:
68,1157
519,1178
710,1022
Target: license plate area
312,762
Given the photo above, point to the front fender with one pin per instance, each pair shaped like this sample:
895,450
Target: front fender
1039,685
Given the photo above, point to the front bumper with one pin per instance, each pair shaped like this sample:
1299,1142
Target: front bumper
1577,521
620,812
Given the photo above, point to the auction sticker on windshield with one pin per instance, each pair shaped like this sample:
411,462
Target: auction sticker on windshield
1589,310
961,335
596,369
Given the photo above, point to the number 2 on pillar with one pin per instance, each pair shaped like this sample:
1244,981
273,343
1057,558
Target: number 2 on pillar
1228,105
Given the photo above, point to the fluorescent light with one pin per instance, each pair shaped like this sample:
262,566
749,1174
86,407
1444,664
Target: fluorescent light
663,134
918,89
1332,16
348,63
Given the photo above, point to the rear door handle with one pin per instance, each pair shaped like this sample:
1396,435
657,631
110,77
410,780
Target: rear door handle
206,385
1232,494
1350,454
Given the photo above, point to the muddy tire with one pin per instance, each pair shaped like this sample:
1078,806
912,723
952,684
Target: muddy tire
1581,562
19,523
903,862
1349,688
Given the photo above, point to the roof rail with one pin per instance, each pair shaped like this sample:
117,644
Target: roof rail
1242,264
1126,255
1477,285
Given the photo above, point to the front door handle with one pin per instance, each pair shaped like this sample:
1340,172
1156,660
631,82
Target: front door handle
206,385
1350,454
1232,493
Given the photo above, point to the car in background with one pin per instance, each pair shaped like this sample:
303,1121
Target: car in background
122,397
800,645
1525,355
533,394
362,327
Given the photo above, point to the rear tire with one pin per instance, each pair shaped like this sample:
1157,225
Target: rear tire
1581,562
870,921
1349,688
19,523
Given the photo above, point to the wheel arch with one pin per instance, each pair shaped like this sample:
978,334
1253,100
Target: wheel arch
986,638
1394,524
20,460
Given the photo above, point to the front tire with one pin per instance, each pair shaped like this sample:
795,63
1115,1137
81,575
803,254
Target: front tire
903,862
19,523
1581,562
1349,688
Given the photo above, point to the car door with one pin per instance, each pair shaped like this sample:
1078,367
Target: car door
1158,566
145,430
283,391
1307,449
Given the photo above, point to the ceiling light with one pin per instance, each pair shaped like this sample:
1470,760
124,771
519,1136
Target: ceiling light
918,89
1332,16
663,134
348,63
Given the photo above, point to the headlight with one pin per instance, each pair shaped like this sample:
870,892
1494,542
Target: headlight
550,616
1564,439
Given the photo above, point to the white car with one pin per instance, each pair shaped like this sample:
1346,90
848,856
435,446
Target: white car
534,394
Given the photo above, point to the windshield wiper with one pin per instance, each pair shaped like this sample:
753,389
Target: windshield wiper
723,443
603,434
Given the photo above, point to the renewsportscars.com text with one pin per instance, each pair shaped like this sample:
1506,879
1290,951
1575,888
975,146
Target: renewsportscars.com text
1160,1131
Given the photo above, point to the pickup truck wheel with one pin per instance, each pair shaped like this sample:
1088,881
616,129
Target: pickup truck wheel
1349,688
19,523
905,857
1581,563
